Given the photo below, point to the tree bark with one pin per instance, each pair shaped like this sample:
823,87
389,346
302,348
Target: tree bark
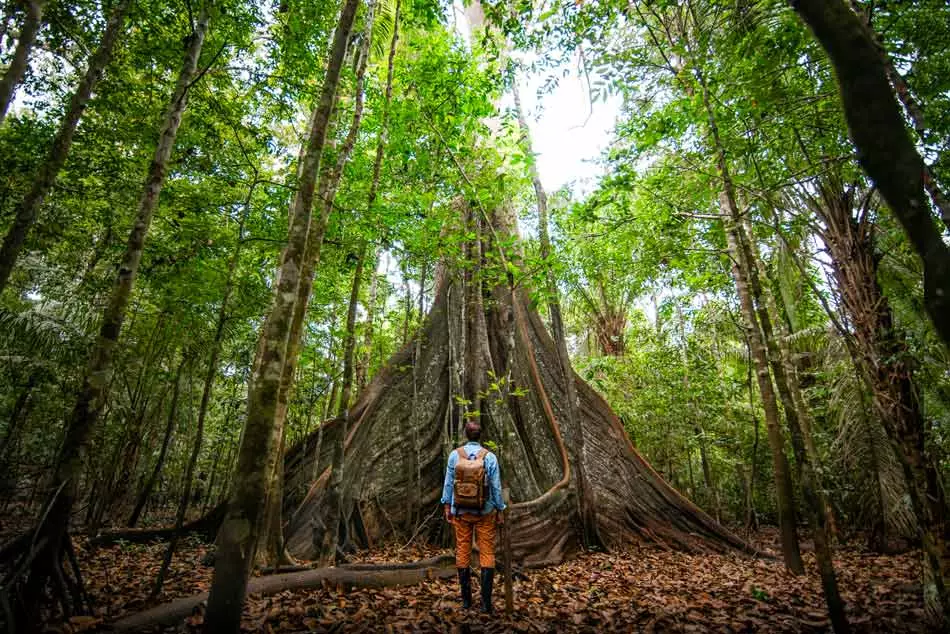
885,149
508,337
206,390
363,365
814,502
238,538
914,112
17,68
885,362
96,383
17,416
28,209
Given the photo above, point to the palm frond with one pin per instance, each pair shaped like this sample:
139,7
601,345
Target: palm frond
864,451
39,334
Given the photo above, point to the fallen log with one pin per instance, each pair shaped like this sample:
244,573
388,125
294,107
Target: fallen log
439,561
365,576
205,526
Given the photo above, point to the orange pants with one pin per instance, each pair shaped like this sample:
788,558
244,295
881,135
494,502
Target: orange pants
484,528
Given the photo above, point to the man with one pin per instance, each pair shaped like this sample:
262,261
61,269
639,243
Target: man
481,521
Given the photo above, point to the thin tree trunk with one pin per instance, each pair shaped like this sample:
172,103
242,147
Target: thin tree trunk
574,434
166,440
362,368
366,352
95,385
29,207
327,553
270,542
745,261
206,390
17,416
697,427
796,399
238,537
183,502
885,148
17,68
785,499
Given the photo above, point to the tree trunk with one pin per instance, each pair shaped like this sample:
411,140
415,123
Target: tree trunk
814,503
238,538
53,528
587,512
794,398
632,502
17,416
326,554
329,184
205,398
885,149
17,68
363,367
166,440
886,364
694,413
29,207
784,494
365,356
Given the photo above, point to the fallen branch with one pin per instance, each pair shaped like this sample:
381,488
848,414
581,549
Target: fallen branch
354,576
206,526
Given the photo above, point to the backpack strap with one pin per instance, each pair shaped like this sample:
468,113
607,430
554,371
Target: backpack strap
461,452
482,453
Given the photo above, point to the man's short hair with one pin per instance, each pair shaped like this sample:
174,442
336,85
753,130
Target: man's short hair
473,431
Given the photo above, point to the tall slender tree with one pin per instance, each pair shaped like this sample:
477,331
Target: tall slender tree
54,521
29,207
237,539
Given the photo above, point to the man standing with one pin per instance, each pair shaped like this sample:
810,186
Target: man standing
473,502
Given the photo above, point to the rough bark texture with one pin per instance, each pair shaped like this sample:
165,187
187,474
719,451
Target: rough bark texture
327,552
272,537
814,501
238,537
884,359
380,500
885,149
17,68
92,396
29,207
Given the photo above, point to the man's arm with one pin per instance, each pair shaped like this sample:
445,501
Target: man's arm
494,483
448,486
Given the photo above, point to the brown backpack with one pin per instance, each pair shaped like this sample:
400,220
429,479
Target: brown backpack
470,486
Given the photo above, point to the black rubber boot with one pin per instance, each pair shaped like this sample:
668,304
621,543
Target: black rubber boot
488,579
465,583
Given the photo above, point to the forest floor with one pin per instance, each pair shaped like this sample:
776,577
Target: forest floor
640,589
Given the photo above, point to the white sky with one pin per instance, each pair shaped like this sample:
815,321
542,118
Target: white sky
565,140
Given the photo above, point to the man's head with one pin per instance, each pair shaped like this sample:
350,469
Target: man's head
473,431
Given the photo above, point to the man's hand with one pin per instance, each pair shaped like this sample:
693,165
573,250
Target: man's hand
500,517
448,514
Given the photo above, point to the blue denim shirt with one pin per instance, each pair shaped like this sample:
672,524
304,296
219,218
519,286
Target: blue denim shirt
494,501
